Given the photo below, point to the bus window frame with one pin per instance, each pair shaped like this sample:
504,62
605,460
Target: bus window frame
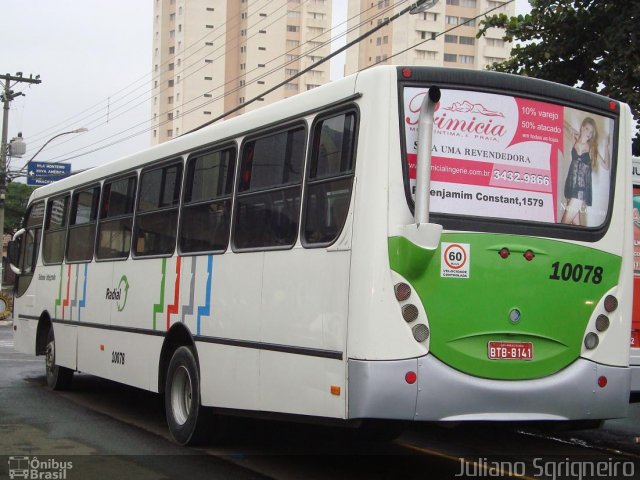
192,156
499,225
254,136
177,160
343,110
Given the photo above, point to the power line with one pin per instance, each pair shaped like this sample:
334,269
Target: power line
327,42
145,100
315,64
61,125
289,79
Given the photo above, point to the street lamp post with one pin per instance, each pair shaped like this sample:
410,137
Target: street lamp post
77,130
19,173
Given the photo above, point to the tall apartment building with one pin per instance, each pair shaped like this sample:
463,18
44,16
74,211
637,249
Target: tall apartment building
212,55
416,40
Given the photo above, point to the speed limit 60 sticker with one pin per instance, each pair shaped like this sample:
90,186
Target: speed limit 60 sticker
454,262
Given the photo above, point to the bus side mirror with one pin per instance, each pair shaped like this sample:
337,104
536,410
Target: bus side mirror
13,251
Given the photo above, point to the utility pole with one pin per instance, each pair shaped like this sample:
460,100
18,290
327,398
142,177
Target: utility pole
6,97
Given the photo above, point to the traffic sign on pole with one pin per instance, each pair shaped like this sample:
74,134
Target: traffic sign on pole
44,173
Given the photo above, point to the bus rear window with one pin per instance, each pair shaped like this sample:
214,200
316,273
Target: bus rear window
500,156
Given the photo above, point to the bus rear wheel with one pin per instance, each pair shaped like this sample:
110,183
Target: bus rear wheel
186,417
58,378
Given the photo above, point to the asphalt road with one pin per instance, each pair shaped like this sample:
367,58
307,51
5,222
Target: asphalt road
104,430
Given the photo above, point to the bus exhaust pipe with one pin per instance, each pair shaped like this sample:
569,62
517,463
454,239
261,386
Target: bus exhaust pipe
425,144
422,233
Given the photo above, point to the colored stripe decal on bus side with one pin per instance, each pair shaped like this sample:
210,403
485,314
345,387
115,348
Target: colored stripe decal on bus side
272,347
74,303
174,307
102,326
159,307
206,308
65,302
59,299
82,303
188,308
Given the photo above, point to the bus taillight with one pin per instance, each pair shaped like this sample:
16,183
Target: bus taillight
602,323
610,303
591,341
420,332
411,377
410,312
402,291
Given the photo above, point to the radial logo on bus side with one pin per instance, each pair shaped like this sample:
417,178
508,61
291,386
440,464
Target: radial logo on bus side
119,293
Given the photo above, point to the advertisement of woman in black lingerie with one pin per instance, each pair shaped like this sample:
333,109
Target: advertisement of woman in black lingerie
587,145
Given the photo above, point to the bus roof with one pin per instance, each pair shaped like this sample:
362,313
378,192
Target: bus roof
321,97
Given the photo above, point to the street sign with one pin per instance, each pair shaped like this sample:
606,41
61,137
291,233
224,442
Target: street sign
44,173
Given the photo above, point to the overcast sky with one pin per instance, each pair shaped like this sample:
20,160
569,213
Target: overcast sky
94,60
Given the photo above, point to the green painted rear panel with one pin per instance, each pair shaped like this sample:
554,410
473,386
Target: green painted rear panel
466,313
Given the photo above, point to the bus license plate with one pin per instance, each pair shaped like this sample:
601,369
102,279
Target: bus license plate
510,351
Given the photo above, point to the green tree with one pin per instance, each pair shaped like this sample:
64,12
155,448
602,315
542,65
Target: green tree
590,44
16,205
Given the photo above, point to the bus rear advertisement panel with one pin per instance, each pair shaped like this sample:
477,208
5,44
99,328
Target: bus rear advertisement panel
509,157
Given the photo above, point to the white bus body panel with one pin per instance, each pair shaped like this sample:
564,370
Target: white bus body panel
304,303
376,330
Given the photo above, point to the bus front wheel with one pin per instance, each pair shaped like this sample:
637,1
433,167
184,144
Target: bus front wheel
58,378
186,417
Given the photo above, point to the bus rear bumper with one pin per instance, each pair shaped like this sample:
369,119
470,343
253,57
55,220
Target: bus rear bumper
378,389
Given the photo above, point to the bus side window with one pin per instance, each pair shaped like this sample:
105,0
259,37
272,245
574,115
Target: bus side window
156,222
82,224
206,213
116,219
55,230
269,189
329,179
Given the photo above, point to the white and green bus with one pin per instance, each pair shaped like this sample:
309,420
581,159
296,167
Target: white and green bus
275,263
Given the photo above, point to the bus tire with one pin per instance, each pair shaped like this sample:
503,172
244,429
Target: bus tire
58,378
186,417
